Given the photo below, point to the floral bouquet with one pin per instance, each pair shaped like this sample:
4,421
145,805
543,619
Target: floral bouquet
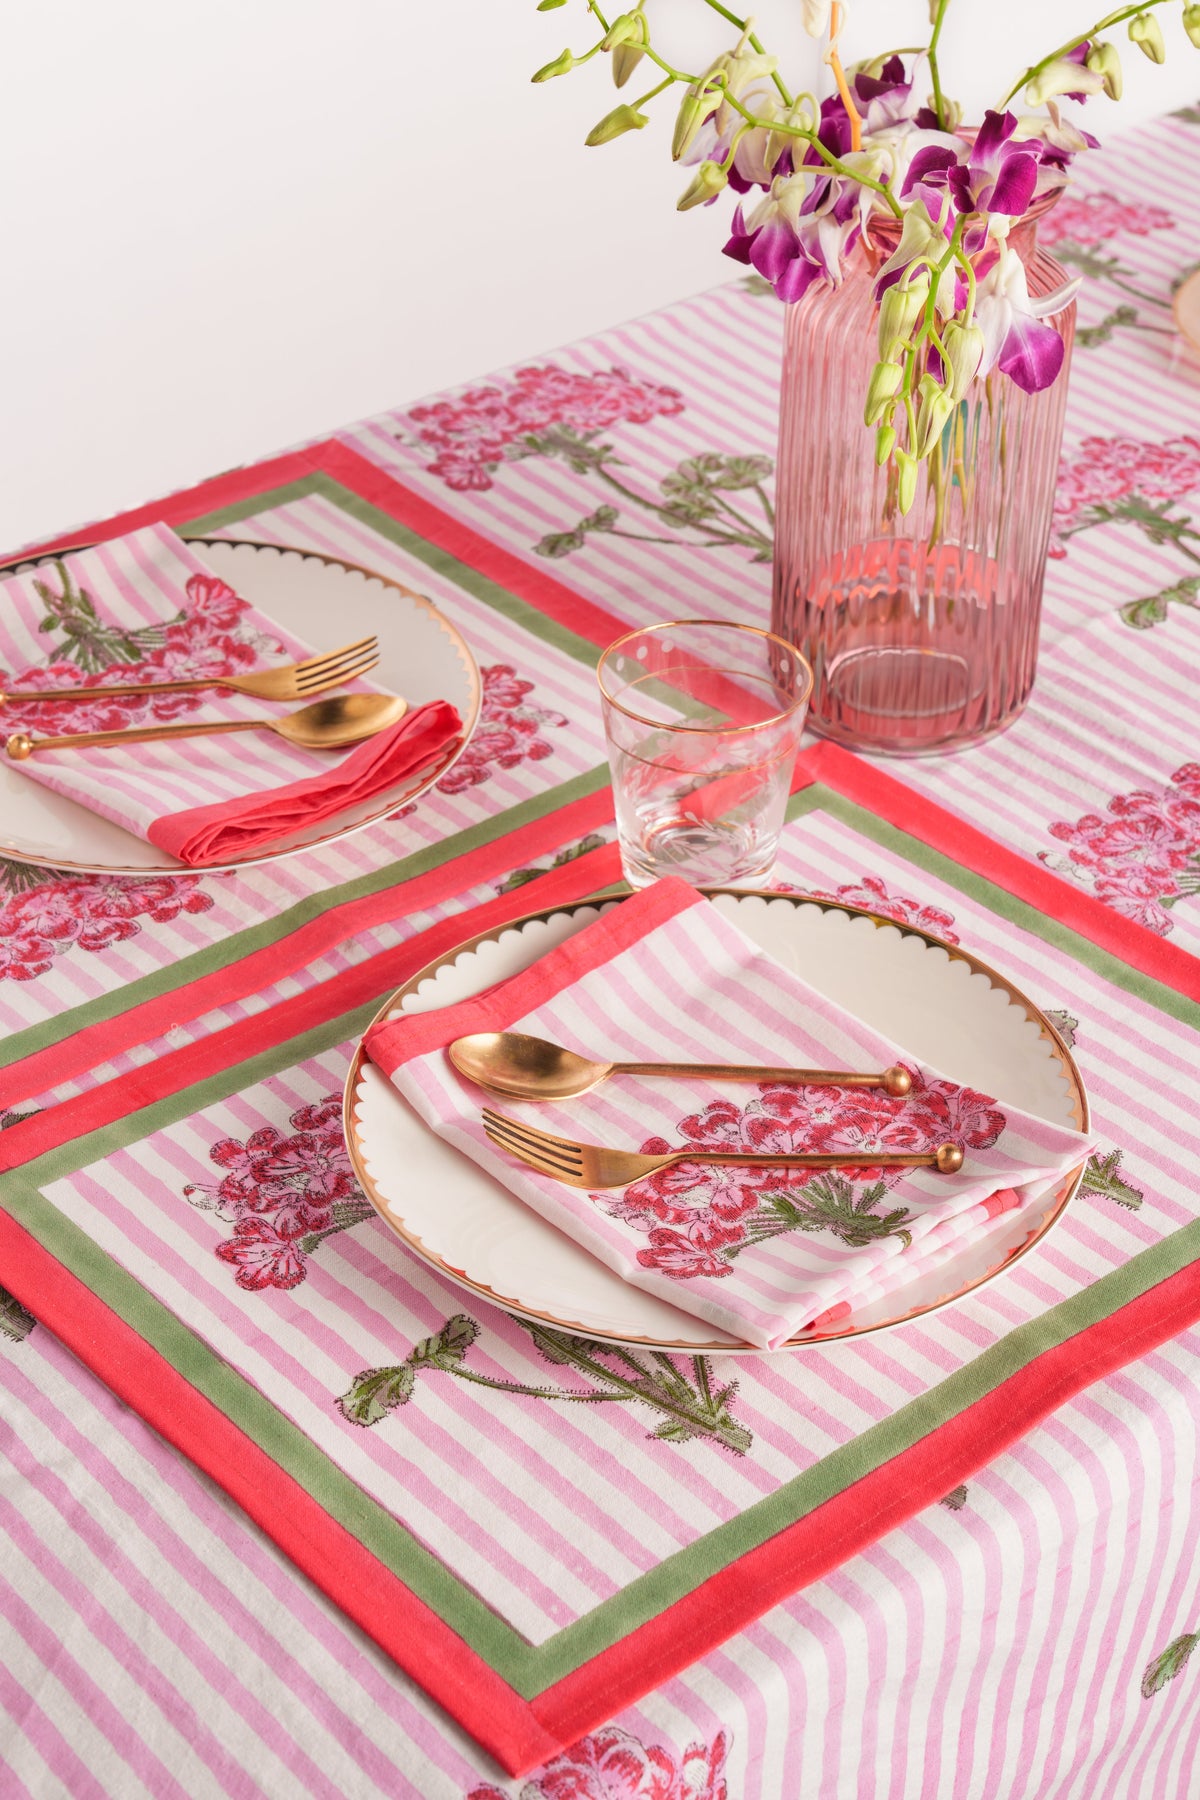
878,165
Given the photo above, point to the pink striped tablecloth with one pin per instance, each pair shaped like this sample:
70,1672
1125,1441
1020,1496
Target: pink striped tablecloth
1028,1634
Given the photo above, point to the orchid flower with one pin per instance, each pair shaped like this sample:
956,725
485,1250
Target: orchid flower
1014,339
800,231
814,15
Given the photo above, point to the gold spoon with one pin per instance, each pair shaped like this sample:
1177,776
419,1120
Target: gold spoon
325,725
530,1068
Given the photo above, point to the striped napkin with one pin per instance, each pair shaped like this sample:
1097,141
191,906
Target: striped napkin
761,1253
147,607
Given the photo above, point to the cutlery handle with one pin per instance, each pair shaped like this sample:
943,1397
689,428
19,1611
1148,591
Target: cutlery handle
20,745
947,1158
123,690
896,1080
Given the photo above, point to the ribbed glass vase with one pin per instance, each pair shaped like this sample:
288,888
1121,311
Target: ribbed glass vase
921,628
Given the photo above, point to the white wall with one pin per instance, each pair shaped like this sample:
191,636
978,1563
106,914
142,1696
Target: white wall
235,225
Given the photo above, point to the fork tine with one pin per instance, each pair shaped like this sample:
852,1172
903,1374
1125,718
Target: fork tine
356,648
335,676
531,1132
532,1158
358,653
338,667
550,1153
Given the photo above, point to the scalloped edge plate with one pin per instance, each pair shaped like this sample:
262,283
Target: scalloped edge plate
941,1003
323,600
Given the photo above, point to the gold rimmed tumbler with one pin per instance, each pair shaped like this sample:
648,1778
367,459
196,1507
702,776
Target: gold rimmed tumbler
702,719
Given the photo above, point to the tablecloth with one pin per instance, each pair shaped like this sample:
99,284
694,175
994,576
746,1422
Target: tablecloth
1027,1632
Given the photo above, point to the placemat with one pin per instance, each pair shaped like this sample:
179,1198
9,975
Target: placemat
536,1531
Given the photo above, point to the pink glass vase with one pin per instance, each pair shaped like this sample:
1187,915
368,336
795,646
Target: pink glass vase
921,628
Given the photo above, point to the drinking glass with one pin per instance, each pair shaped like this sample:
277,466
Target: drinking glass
703,719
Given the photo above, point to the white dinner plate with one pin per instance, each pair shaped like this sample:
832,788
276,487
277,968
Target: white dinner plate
325,602
935,1000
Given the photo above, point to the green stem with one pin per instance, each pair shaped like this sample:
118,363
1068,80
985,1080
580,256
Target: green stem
938,102
767,507
654,92
1113,18
752,40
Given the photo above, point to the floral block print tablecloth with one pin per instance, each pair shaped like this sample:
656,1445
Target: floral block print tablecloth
415,1544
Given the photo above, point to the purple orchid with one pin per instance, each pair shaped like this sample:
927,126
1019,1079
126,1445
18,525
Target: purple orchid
800,232
997,173
1015,340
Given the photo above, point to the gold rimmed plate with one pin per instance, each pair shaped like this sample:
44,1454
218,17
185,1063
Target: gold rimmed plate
422,656
942,1004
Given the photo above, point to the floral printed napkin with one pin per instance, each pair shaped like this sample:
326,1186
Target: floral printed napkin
146,607
762,1253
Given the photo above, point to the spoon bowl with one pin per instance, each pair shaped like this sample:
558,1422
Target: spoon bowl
531,1068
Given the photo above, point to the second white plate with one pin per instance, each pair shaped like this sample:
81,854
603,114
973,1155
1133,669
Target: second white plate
941,1004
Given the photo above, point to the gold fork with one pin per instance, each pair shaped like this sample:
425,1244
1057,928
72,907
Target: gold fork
591,1166
294,681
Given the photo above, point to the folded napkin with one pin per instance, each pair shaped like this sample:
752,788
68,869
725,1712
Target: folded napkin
147,608
760,1252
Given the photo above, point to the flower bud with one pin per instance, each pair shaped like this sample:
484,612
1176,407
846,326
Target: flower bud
562,65
625,29
906,480
1103,60
705,185
550,5
696,106
625,59
884,386
1191,23
1064,77
936,410
1146,32
964,353
899,310
615,124
885,443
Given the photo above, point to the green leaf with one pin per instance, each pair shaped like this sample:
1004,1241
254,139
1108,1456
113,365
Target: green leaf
447,1347
376,1392
1103,1177
1090,337
1166,1666
559,543
15,1322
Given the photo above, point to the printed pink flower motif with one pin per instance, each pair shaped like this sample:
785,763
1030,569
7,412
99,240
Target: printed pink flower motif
508,733
1142,854
1119,477
85,912
871,894
472,434
697,1218
279,1191
262,1256
212,638
612,1765
1092,218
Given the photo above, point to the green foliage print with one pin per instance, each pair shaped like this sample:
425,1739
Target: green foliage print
1103,1178
15,1322
519,877
689,1406
87,639
1168,1663
693,499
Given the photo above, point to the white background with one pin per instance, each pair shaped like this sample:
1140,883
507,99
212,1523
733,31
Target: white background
235,225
